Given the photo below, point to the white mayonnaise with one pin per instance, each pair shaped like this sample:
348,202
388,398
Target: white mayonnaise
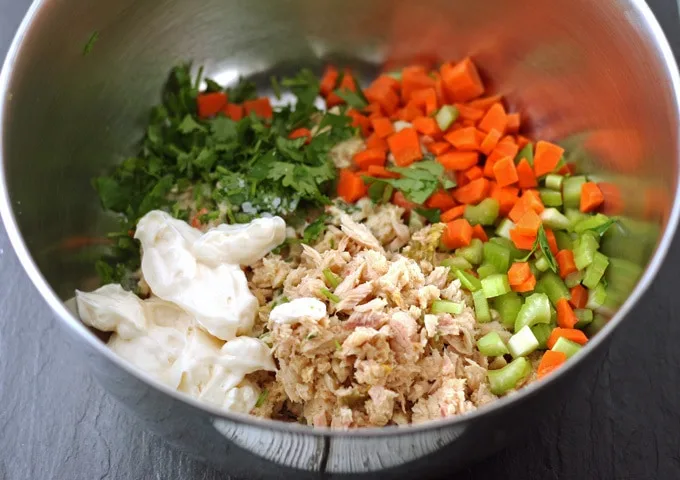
296,310
201,273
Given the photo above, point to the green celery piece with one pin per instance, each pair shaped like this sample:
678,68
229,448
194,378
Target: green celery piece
555,220
446,116
456,263
566,346
591,222
554,181
523,342
482,312
446,306
542,333
571,191
585,317
598,323
574,215
542,264
515,253
495,285
584,249
510,376
508,306
622,276
330,295
473,253
468,281
331,279
595,270
504,227
492,345
497,255
484,213
486,269
526,152
550,198
573,279
552,285
631,239
536,309
596,296
564,241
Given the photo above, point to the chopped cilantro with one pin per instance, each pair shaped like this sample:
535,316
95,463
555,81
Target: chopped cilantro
431,214
418,181
353,99
315,229
261,398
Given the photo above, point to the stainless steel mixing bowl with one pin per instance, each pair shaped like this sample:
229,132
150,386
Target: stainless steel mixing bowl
598,72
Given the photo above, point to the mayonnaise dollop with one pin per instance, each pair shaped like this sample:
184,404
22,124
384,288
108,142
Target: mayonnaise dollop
201,272
296,310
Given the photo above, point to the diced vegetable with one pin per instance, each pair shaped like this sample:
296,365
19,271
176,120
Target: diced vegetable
498,256
468,281
492,345
542,264
446,306
565,346
596,296
595,270
482,312
536,309
573,279
495,285
552,285
584,249
446,116
571,191
571,334
331,279
585,317
550,361
553,219
485,213
564,241
522,343
485,270
550,198
591,223
504,228
554,182
456,263
542,332
508,306
473,253
510,376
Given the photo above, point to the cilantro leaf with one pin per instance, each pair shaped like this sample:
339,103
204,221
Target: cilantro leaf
353,99
189,125
431,214
243,91
315,229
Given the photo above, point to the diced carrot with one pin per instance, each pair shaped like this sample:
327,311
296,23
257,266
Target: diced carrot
484,103
386,81
328,80
565,262
351,186
373,110
479,233
495,118
523,242
370,156
529,224
525,174
522,141
567,169
472,115
552,241
382,127
550,361
461,81
400,200
441,200
234,111
301,133
519,273
373,141
513,123
527,286
490,141
196,219
458,160
591,197
613,200
210,104
379,171
413,79
546,157
463,138
566,318
427,126
437,148
405,146
579,296
572,334
461,179
383,95
260,107
347,83
506,197
452,213
457,233
359,121
518,210
473,173
514,191
426,99
505,148
505,172
410,112
532,199
472,193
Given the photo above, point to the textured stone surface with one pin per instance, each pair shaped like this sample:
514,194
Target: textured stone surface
55,423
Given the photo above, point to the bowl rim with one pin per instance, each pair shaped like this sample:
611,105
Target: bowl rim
658,41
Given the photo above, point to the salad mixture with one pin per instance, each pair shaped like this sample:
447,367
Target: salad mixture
401,254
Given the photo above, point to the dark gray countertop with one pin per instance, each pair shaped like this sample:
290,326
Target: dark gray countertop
56,423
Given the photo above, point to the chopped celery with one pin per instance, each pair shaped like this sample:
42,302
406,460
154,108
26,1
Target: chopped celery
595,270
536,309
503,229
584,315
497,255
486,269
510,376
331,279
574,215
515,253
553,219
553,315
523,342
330,295
571,190
495,285
584,250
564,241
566,346
526,152
447,306
596,296
456,263
468,281
552,285
630,239
550,198
484,213
622,276
554,181
542,332
492,345
573,279
591,223
508,307
473,252
482,312
542,264
599,321
446,116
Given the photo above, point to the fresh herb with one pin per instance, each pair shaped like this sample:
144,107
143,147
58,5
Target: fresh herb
276,87
331,279
353,99
261,398
330,295
338,346
602,228
418,181
90,43
542,240
431,214
315,229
